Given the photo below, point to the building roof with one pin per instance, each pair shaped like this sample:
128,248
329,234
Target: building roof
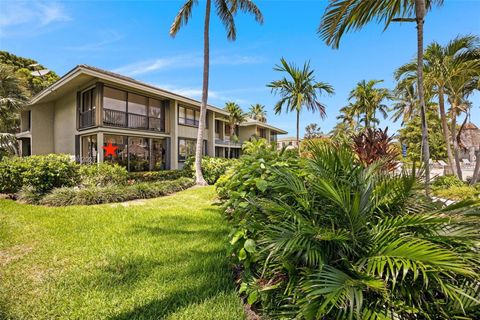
52,91
470,136
252,122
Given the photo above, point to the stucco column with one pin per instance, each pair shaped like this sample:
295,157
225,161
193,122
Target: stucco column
173,118
99,147
211,134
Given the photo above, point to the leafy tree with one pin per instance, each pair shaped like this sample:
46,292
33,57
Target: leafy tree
344,15
24,68
366,101
411,136
257,112
312,131
299,90
236,116
226,11
13,95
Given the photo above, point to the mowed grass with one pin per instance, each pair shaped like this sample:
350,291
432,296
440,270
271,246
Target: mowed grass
162,258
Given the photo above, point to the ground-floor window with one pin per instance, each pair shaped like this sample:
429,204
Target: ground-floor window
186,148
219,152
89,149
135,153
234,153
115,149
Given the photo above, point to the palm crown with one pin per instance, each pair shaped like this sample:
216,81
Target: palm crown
257,112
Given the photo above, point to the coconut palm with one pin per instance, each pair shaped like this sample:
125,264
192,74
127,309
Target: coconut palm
257,112
344,15
226,11
442,65
12,98
406,102
299,90
236,116
366,100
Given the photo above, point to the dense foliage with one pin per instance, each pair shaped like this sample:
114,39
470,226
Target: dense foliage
373,145
113,193
326,238
102,174
154,176
39,174
212,168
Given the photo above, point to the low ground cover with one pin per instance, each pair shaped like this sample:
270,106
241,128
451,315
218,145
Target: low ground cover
151,259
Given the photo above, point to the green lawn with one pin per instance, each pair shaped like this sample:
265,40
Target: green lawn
162,258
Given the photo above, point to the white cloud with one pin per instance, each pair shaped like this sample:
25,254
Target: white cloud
183,61
18,17
220,96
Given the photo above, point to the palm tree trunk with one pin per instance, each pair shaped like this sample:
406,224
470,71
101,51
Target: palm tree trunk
453,130
203,106
441,104
420,15
298,131
476,171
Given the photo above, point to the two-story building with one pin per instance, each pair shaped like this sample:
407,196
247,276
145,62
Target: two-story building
148,128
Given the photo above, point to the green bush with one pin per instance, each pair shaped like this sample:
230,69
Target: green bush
152,176
103,174
324,237
114,193
463,192
212,168
11,171
445,182
39,173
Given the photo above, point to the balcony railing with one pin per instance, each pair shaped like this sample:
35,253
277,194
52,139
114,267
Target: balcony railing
122,119
87,118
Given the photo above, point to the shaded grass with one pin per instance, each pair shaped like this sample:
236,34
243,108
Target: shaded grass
163,258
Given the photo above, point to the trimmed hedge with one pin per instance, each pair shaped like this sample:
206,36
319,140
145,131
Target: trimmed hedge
153,176
39,174
212,168
102,175
97,195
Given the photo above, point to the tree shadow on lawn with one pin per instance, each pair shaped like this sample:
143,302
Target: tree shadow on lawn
205,277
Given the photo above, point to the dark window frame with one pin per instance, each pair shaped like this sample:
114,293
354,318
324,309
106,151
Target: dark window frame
205,148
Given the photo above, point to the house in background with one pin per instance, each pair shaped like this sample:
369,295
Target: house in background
288,143
149,128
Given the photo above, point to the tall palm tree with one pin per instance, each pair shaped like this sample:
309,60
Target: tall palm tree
343,15
236,116
12,97
298,91
226,11
366,100
257,112
443,64
406,105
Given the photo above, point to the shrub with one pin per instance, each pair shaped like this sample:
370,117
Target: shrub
458,193
111,193
103,174
373,145
11,171
445,182
152,176
40,173
212,168
327,238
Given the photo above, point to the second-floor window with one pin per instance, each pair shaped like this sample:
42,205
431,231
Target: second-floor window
87,108
188,116
262,132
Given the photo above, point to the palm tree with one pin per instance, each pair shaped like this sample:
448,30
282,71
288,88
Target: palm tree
443,64
301,90
226,11
406,105
343,15
366,100
257,112
236,116
12,97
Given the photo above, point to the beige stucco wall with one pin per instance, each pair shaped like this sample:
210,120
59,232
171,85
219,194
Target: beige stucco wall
64,128
246,133
42,128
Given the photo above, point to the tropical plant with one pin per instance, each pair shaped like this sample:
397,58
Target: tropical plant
257,112
344,15
374,145
236,116
336,240
226,11
298,91
444,65
12,97
313,131
406,101
366,100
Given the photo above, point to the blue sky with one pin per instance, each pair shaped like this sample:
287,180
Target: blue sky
131,37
